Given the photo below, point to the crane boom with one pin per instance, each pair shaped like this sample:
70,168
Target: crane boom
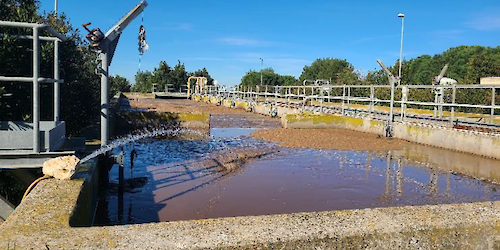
116,30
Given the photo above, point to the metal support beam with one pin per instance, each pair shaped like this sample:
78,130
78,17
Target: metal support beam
6,208
453,99
36,92
392,82
57,103
104,98
492,117
404,99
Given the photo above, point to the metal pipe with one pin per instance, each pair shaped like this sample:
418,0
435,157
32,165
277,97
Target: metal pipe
55,33
492,117
41,38
36,92
372,98
453,97
391,109
401,48
104,98
57,103
21,24
15,79
57,89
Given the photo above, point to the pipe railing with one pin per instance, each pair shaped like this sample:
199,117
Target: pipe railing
36,79
331,96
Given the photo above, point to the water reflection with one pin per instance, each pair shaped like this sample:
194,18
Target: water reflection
293,180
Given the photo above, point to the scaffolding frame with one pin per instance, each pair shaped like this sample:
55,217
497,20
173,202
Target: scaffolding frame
35,78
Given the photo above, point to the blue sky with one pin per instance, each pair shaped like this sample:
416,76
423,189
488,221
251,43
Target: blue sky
229,36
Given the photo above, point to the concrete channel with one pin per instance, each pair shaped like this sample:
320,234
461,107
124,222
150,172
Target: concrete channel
60,214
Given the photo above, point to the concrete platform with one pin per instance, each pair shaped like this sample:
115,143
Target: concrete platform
11,159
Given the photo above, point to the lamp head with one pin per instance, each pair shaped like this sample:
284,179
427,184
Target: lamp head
401,15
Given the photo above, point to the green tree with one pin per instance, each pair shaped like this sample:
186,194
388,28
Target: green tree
204,73
269,77
118,84
289,80
179,75
482,65
338,70
161,76
143,81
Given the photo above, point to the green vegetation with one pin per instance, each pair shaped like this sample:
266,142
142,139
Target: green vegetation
336,71
467,65
164,76
269,78
118,84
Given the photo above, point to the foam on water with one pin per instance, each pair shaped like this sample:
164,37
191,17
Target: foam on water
142,135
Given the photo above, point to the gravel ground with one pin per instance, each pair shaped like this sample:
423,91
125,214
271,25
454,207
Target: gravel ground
341,139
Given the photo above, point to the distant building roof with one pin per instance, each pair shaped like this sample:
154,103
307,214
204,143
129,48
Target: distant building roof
490,81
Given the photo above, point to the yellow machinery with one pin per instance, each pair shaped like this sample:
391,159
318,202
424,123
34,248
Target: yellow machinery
198,86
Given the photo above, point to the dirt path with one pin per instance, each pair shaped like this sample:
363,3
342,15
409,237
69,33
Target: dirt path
181,105
341,139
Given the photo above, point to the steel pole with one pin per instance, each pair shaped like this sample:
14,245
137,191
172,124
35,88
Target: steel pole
57,90
104,98
36,91
401,48
261,66
57,87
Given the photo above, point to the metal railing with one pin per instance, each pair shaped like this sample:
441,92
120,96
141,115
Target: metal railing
468,104
36,79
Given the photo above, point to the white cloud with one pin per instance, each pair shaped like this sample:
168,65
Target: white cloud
184,26
174,26
485,22
241,41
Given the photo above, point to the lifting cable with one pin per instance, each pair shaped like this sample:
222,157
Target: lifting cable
143,46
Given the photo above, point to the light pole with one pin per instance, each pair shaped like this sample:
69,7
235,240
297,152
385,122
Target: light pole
261,65
402,16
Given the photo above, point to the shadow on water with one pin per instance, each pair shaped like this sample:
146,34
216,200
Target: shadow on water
138,203
181,180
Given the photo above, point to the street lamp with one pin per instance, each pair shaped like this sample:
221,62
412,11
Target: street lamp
402,16
261,64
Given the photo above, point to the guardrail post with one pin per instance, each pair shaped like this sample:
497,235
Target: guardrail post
348,97
372,99
453,97
492,118
36,91
343,98
434,89
441,101
404,99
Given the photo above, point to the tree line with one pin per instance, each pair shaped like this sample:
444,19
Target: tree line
164,76
467,64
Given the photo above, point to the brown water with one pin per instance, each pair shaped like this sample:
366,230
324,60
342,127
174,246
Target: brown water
183,183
